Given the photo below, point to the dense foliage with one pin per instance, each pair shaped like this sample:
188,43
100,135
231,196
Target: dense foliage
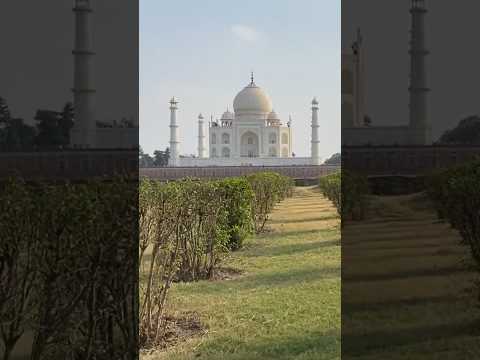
238,197
331,187
354,196
66,257
456,196
187,227
335,159
348,192
159,158
269,188
466,132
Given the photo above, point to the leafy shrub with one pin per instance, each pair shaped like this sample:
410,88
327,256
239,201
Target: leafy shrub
269,188
331,187
187,227
355,192
455,194
348,193
238,197
67,254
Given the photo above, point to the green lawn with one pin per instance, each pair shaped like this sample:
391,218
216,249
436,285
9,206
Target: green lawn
286,304
406,291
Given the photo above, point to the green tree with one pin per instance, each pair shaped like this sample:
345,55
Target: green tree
66,122
466,132
145,160
160,158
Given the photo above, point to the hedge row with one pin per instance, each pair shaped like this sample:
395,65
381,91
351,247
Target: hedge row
331,187
348,193
67,260
187,227
455,194
269,188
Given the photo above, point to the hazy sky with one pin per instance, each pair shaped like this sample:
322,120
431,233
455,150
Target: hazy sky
202,52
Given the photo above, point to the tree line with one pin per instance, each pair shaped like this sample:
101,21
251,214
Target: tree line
159,158
51,129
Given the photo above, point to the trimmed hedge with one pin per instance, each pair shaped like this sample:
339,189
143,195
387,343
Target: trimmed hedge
186,229
455,194
238,197
348,193
269,188
331,187
68,256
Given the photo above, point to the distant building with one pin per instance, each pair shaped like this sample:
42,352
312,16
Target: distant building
356,130
87,131
251,135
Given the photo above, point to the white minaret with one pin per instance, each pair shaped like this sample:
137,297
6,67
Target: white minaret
84,130
315,134
173,160
419,124
359,81
201,138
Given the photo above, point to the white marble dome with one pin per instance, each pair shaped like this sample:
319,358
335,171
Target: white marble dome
252,99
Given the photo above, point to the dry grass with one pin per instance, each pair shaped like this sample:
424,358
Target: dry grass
286,303
406,286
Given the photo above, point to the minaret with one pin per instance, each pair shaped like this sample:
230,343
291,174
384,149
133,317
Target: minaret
173,160
201,137
315,152
359,81
84,130
419,124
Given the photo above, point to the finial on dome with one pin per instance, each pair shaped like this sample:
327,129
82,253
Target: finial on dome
200,116
251,79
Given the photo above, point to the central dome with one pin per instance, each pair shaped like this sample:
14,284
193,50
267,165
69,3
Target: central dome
252,99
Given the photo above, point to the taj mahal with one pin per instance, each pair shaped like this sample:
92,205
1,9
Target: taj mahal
253,134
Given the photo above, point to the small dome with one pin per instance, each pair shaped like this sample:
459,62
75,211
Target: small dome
273,116
314,101
252,99
227,115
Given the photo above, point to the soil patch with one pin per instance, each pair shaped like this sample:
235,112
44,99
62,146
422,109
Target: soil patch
177,329
226,273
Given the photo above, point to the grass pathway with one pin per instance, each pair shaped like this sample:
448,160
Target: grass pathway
406,293
286,304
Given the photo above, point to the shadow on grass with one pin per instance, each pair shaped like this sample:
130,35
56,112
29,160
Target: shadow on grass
366,256
368,343
387,236
316,345
291,221
397,304
290,249
272,235
445,271
269,280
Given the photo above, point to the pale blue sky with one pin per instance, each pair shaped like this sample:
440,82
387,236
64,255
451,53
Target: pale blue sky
202,52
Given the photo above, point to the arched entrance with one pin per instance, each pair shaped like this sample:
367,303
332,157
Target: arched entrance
249,145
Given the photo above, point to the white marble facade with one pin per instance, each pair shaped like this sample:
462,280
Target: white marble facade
253,134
